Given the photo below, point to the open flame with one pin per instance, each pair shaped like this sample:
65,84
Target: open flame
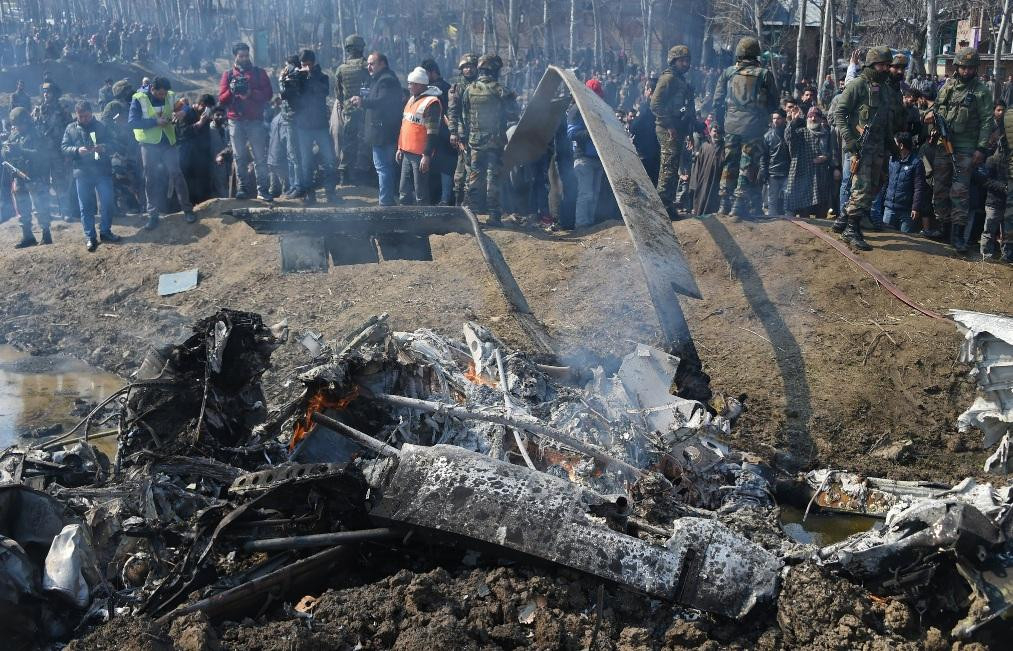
475,378
319,401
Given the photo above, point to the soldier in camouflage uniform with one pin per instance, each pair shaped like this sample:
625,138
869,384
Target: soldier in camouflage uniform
744,98
468,68
991,230
674,106
350,79
30,153
864,117
486,108
965,103
51,119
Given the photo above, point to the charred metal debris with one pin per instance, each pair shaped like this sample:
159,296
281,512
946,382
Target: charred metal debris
215,501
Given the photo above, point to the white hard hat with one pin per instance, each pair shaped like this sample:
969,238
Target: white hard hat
418,76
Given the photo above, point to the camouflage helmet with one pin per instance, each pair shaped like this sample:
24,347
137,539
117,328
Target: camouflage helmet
355,42
678,52
490,62
748,48
878,54
122,88
18,115
966,57
899,60
469,59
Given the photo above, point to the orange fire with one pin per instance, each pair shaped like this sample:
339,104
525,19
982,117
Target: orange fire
475,378
318,402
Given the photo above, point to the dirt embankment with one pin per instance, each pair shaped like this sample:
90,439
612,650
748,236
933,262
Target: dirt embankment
833,368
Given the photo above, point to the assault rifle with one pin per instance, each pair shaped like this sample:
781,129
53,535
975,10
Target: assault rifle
18,173
943,130
862,139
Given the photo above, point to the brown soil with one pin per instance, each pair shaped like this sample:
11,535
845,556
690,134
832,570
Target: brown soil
833,367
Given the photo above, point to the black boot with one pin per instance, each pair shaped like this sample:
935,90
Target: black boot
47,236
853,236
27,239
840,223
152,223
957,238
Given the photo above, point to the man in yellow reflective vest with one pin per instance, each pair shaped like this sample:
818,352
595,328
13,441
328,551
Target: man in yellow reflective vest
153,117
419,136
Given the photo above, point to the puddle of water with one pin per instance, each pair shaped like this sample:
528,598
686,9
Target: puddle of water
40,391
822,528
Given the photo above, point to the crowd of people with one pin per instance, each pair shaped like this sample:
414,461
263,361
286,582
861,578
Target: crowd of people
106,41
869,150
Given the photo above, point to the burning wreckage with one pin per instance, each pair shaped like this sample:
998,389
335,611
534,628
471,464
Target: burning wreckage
213,501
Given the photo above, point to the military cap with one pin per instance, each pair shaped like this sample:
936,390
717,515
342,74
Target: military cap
468,59
966,57
899,60
878,54
748,48
355,42
18,114
678,52
51,87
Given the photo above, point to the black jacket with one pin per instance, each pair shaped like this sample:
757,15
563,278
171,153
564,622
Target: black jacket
311,109
776,161
384,108
76,136
645,138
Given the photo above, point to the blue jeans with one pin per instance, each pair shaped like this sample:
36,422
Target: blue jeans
247,136
328,162
87,186
588,172
845,181
447,189
387,173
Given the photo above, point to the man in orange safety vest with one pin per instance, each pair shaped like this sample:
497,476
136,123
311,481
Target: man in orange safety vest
416,144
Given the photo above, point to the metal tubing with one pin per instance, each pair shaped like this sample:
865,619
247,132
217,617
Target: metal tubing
320,540
363,439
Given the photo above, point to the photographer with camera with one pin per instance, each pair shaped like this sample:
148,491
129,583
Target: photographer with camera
244,91
283,147
305,90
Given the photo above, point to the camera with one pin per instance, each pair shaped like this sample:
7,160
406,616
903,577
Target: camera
239,85
292,77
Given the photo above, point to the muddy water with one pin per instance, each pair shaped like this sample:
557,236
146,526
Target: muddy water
40,391
822,528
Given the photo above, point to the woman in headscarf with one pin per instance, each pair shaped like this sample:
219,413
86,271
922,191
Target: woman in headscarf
807,191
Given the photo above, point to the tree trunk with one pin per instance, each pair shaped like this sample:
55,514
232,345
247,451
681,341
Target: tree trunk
1000,37
511,32
547,32
833,42
824,26
931,28
341,29
758,23
597,30
802,5
573,31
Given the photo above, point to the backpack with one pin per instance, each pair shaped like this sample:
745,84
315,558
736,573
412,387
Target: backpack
744,87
